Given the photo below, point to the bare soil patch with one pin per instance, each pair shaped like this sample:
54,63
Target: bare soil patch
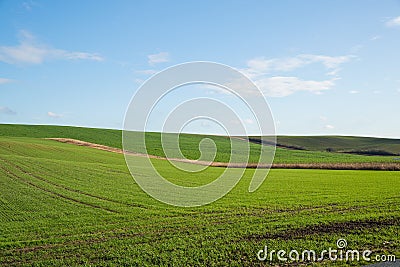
334,227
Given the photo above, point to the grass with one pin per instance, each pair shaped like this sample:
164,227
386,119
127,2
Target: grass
111,137
342,143
189,145
62,204
108,137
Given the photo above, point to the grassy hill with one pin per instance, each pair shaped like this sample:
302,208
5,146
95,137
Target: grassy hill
66,205
341,143
108,137
189,144
112,138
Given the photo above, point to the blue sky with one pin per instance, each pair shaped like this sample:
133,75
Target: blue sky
325,67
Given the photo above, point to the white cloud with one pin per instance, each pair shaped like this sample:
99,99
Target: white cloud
334,72
327,61
54,115
7,111
139,81
393,22
323,118
81,55
4,80
158,58
259,68
356,48
353,92
28,5
248,121
283,86
147,72
29,51
214,89
261,65
329,127
375,37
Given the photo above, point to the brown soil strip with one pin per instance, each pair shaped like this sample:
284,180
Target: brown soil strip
335,227
88,144
383,166
386,166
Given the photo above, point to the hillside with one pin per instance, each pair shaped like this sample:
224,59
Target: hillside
188,142
108,137
341,143
112,137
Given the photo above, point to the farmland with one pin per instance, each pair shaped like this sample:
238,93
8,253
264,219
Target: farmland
189,144
341,143
62,204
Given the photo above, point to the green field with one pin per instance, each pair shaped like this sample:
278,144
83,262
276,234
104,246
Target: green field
341,143
189,144
62,204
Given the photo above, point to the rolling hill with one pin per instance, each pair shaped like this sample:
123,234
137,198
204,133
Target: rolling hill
189,143
112,137
341,143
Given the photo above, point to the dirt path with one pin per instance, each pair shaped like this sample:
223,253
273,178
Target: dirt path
330,166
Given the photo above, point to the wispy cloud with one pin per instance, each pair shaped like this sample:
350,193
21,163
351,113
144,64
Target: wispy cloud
323,118
30,51
28,5
80,55
258,70
353,92
375,37
54,115
4,80
325,121
281,86
7,111
393,22
249,121
139,81
146,72
262,65
158,58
